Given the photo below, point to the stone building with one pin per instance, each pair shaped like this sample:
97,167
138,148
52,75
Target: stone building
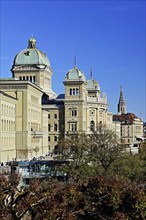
41,117
30,120
131,126
7,126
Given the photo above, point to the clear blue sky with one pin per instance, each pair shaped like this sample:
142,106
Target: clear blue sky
108,36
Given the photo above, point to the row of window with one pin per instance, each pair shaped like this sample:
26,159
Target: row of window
55,138
9,110
7,125
28,78
55,116
55,127
74,91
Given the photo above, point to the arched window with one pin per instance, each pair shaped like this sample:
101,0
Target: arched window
92,126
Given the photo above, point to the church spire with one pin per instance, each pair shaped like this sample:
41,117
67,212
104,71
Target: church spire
121,104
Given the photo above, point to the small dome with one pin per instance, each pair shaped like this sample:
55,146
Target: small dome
92,85
31,55
75,74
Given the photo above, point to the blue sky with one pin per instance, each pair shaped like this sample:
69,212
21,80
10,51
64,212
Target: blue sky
108,36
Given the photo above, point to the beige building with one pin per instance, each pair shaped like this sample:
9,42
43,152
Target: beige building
29,135
42,118
7,126
81,109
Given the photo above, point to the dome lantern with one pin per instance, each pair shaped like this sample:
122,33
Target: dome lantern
32,42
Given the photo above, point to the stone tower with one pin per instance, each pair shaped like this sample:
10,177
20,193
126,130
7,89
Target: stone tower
121,104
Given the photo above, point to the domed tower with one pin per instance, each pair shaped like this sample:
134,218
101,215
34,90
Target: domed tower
75,96
33,65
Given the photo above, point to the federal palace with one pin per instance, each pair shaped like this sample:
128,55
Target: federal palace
33,118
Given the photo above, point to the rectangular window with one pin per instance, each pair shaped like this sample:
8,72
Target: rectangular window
74,127
74,91
55,138
70,91
74,113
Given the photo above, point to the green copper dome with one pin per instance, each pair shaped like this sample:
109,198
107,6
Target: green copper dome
92,85
31,55
75,74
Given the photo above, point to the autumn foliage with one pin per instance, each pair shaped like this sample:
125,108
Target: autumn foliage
97,197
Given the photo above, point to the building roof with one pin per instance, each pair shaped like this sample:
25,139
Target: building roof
92,85
129,117
46,100
75,74
31,55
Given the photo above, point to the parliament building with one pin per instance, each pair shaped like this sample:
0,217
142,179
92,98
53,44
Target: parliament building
33,118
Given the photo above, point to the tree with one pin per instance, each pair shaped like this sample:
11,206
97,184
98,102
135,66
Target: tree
98,197
104,148
92,153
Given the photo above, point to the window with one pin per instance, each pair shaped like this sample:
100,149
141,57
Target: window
92,126
74,113
55,138
49,127
74,127
55,116
74,91
70,92
77,91
55,127
48,116
48,138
